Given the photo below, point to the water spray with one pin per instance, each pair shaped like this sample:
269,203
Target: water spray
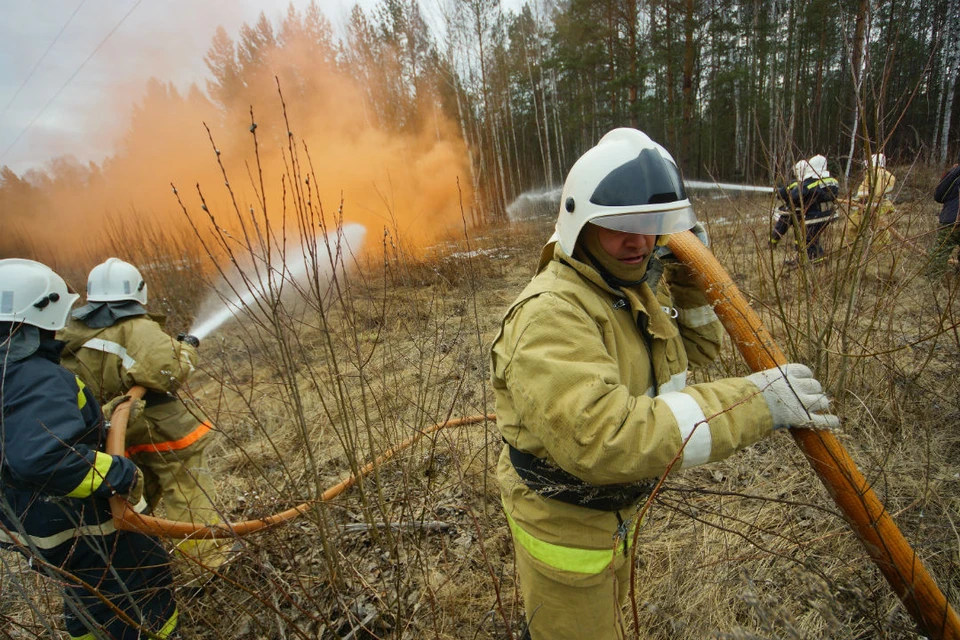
725,186
543,203
238,293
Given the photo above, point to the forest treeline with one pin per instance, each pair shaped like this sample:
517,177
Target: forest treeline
736,90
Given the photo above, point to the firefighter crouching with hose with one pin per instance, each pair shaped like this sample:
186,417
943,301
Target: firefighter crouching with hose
589,370
56,480
112,344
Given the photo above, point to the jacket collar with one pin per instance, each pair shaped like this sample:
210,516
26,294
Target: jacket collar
25,341
99,315
640,298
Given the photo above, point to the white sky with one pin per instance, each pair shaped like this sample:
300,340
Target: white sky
45,114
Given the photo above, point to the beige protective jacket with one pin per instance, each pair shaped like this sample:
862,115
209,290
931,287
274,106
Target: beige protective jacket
576,384
136,351
877,183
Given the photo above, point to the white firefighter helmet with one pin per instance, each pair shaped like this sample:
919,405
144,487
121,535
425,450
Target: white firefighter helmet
115,281
627,182
32,293
818,167
801,169
878,160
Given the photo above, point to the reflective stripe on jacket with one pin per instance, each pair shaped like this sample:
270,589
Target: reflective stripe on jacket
813,198
54,477
136,351
576,384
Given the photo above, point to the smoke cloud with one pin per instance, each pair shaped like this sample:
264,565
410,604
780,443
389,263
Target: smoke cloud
332,148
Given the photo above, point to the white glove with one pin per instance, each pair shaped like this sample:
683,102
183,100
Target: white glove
794,397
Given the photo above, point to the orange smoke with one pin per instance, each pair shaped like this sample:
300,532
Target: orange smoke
409,182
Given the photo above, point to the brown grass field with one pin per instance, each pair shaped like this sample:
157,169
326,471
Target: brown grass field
308,389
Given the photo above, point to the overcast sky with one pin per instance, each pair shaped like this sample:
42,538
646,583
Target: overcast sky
63,61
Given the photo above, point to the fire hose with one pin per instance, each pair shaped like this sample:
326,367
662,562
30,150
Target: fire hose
863,510
861,507
127,519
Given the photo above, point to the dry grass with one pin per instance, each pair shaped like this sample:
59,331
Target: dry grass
752,547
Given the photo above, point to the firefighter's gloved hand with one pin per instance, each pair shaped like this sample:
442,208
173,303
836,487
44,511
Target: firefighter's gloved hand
135,492
701,232
136,408
664,253
193,341
795,398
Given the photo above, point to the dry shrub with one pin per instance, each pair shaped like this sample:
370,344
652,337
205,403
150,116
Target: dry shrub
753,547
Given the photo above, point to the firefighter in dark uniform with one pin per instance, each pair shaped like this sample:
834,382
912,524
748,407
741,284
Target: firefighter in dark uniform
56,480
810,201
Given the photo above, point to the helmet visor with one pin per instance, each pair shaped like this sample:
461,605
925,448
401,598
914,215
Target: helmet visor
652,223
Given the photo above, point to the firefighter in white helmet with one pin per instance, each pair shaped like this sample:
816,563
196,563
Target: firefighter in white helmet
113,344
56,481
809,205
589,369
872,208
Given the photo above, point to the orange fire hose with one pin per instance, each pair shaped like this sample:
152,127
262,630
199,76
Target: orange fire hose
869,519
125,518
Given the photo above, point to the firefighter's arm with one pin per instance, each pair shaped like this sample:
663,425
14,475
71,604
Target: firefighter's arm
160,363
47,454
567,391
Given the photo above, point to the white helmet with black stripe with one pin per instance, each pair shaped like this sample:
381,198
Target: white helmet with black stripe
627,182
32,293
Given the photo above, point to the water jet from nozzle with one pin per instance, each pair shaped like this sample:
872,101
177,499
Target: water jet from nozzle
248,290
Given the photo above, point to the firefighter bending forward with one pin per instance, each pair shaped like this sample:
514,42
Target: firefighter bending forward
590,375
113,345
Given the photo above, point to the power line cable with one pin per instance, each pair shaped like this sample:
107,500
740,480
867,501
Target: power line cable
42,58
69,80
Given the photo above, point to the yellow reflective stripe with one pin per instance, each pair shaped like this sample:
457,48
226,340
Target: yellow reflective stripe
591,561
163,634
825,182
81,398
169,627
94,478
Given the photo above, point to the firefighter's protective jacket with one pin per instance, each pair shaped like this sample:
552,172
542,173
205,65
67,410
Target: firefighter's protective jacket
813,200
55,477
593,380
136,351
877,184
947,193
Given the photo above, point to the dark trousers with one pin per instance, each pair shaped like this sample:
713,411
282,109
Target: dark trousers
107,580
812,233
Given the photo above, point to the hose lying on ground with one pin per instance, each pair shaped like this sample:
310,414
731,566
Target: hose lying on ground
124,517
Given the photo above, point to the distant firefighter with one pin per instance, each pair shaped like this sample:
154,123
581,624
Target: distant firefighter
872,208
56,480
810,201
947,194
113,345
